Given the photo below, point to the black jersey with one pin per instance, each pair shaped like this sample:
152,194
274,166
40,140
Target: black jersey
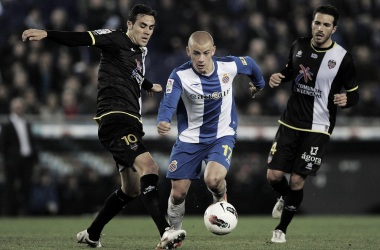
317,75
121,73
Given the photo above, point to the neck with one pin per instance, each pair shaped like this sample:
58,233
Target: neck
326,44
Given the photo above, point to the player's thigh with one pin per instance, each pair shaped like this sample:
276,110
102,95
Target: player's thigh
284,149
214,172
122,136
220,151
130,182
310,154
186,160
145,164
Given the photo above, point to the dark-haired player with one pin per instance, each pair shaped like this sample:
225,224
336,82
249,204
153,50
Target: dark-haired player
120,78
318,68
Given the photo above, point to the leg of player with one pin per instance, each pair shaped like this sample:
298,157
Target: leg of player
214,176
129,190
176,202
292,201
148,169
280,184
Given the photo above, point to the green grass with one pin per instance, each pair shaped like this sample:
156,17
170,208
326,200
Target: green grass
133,233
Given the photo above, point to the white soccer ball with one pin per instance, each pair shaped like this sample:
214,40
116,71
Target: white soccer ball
221,218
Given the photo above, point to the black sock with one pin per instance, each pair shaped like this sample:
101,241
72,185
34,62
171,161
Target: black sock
112,206
292,201
151,200
281,187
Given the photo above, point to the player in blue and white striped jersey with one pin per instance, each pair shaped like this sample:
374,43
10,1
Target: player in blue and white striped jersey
201,91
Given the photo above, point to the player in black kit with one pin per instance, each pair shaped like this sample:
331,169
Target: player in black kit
120,78
318,68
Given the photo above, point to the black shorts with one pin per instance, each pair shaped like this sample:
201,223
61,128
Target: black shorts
295,151
121,134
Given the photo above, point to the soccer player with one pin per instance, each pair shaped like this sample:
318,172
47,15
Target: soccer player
120,78
201,91
318,68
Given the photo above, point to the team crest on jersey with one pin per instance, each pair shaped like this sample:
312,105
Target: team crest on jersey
225,78
102,31
134,147
169,86
331,64
173,166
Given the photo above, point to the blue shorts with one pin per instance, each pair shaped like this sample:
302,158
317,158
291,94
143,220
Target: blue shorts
186,158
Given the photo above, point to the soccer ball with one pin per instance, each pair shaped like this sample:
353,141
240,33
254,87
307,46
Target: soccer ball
221,218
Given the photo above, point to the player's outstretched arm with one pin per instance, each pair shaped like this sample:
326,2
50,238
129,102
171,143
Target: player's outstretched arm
157,88
275,79
163,128
253,90
33,35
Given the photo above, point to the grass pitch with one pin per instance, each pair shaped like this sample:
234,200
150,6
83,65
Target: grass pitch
138,233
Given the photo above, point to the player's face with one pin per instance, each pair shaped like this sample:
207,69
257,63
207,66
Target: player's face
322,28
201,57
141,31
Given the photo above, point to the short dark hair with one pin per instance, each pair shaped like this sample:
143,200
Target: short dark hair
140,9
329,10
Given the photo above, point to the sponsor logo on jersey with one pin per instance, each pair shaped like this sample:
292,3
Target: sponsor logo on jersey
215,95
169,86
102,31
243,60
315,56
139,77
313,150
299,53
173,166
331,64
225,78
306,75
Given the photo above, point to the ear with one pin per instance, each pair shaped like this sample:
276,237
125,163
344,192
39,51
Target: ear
213,50
129,25
334,29
188,51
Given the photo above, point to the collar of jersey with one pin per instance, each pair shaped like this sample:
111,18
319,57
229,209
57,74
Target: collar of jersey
213,73
134,45
322,49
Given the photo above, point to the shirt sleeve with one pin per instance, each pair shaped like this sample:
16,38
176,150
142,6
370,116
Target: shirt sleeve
69,38
288,70
170,100
247,66
105,38
348,73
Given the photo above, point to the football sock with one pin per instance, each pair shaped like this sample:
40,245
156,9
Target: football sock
281,187
292,201
175,214
218,196
151,200
112,206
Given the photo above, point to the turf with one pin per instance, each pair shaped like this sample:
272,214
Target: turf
137,233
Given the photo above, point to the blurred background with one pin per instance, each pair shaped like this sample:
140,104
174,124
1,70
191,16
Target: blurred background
75,174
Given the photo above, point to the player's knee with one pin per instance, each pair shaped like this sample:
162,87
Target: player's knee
178,196
213,183
131,192
274,177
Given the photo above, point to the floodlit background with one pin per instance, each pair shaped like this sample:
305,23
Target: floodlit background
59,86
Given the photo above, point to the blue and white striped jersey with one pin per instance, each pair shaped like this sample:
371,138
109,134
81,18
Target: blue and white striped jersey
205,104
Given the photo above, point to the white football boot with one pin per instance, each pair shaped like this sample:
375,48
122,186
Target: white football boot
278,236
83,237
277,210
171,238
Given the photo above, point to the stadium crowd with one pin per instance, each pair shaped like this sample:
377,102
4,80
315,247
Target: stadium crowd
59,82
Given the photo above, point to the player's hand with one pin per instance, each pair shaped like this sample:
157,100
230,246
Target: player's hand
253,90
275,80
33,35
157,88
163,128
340,99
